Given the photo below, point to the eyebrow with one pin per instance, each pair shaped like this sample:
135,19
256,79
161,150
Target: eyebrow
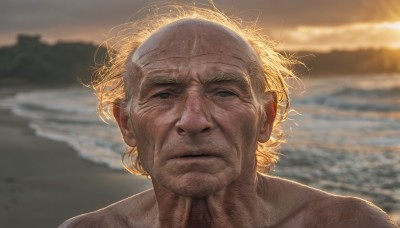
216,78
228,77
159,80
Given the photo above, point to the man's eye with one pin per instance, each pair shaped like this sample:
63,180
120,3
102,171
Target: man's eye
225,94
163,95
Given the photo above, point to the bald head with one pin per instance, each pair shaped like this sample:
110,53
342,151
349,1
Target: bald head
191,38
178,43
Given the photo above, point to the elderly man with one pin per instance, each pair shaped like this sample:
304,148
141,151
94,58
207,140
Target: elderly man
196,98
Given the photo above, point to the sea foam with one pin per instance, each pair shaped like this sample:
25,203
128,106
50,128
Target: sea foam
346,140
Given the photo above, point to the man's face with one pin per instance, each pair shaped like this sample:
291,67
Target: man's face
194,115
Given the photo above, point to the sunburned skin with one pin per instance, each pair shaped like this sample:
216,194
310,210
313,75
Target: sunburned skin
196,117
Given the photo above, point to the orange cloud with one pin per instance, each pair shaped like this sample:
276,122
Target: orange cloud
352,36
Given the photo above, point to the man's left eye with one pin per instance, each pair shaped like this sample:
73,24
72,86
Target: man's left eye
225,94
163,95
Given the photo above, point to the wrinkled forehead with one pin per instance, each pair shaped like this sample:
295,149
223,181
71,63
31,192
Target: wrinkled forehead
193,38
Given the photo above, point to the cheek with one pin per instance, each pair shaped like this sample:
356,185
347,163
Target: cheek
151,129
239,124
144,144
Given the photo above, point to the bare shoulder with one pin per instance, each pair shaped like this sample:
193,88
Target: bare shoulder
342,211
291,192
134,211
312,207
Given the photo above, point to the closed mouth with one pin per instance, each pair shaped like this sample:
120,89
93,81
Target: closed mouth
196,156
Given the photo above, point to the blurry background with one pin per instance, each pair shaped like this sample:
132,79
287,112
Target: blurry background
297,24
346,140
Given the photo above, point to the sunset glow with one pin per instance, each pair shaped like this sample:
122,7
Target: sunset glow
352,36
294,24
392,26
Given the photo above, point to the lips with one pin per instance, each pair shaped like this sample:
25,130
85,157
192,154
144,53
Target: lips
195,154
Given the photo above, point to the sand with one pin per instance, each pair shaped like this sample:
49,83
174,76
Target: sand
43,182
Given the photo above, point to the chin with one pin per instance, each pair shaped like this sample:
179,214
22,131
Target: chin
196,184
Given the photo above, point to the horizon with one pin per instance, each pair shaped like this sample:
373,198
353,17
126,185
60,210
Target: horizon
89,42
295,25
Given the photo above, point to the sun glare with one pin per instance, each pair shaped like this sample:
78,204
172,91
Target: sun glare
350,36
392,25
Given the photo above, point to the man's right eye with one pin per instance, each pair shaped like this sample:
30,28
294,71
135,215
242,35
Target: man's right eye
163,95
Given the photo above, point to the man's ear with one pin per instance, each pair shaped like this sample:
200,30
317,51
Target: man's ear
121,115
270,107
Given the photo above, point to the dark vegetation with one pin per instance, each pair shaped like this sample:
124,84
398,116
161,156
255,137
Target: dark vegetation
32,61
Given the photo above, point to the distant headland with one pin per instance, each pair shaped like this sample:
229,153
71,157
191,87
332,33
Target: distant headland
32,61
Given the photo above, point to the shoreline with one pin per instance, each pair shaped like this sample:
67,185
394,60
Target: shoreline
22,145
44,182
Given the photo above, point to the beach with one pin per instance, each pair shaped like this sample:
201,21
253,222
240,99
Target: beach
44,182
58,160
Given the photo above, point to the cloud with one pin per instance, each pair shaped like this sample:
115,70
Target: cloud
49,13
39,14
76,18
360,35
293,13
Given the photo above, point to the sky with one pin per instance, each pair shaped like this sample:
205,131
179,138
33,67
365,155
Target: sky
320,25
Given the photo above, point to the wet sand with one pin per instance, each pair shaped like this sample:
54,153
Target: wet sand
43,182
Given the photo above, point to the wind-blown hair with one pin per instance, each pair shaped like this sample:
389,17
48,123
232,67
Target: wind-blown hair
109,85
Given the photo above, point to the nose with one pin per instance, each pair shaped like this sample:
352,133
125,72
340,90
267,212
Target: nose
194,116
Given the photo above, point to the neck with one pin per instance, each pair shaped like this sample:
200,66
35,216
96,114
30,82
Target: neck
237,205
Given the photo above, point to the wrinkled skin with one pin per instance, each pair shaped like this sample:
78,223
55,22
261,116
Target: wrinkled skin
196,116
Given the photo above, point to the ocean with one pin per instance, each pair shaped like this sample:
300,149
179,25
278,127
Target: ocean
343,137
